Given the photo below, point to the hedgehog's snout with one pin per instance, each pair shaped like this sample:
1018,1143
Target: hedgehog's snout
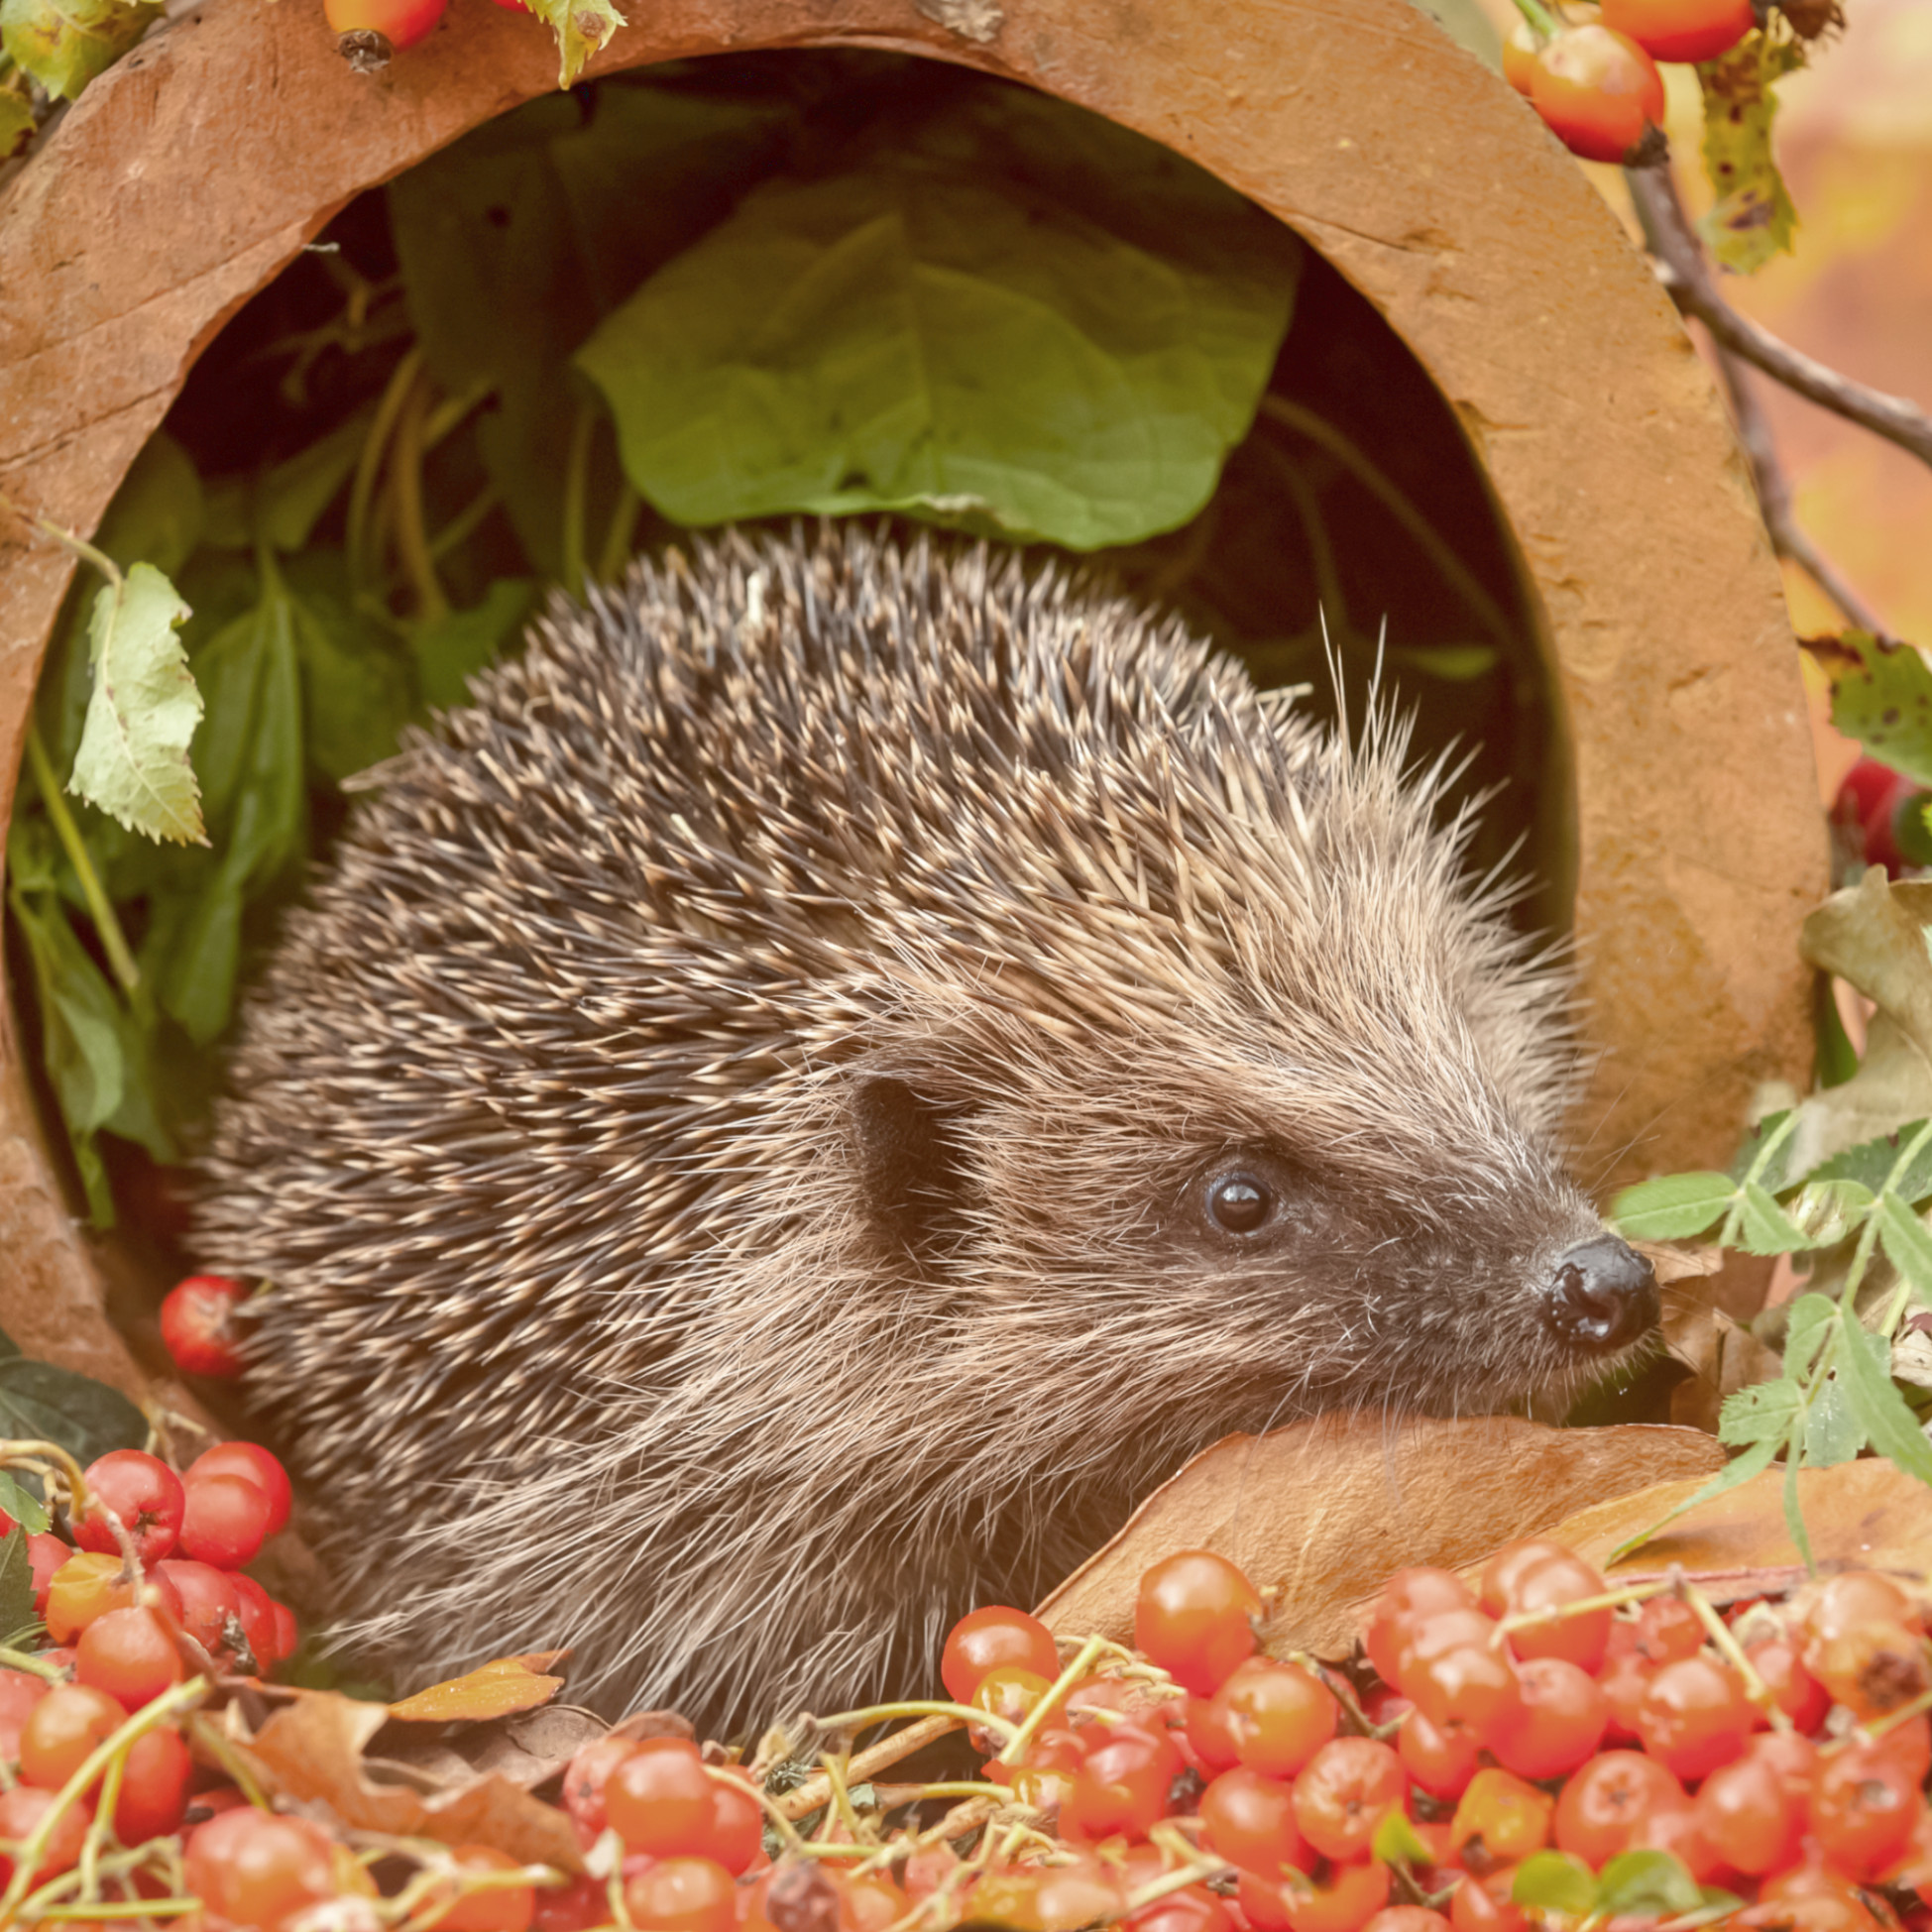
1601,1296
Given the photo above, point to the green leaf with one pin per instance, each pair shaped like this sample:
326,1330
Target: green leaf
1907,1245
1754,1462
582,27
22,1503
357,690
1829,1212
1763,1227
1872,1162
1833,1432
287,502
85,1417
1673,1208
930,336
455,647
1764,1153
16,1580
1555,1881
1753,218
159,510
1646,1884
1761,1412
16,122
133,761
1882,695
1864,1368
1397,1842
1807,1327
65,43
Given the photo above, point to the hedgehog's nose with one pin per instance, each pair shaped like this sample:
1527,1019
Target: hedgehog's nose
1601,1296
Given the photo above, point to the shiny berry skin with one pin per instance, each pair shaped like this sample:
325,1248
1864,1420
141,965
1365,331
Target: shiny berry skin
199,1327
995,1639
1520,48
1053,1761
287,1631
143,1493
658,1798
1278,1714
1559,1725
1550,1580
1604,1803
253,1464
19,1691
1347,1900
1249,1820
1682,29
64,1729
1195,1910
208,1601
736,1834
682,1894
225,1521
1846,1602
87,1586
1009,1692
1873,1669
1695,1716
1409,1598
1597,91
505,1908
21,1811
256,1615
1675,1828
1348,1787
1484,1905
255,1868
1195,1618
1208,1734
1796,1692
1469,1684
1123,1789
1499,1820
585,1777
873,1903
154,1786
1751,1816
1407,1918
1666,1630
370,31
45,1553
1864,1806
1441,1761
130,1656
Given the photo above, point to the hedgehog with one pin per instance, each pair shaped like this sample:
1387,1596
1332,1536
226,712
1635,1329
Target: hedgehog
839,1069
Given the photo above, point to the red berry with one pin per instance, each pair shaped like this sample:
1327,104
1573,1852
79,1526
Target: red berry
1557,1726
1195,1618
287,1633
1346,1901
1123,1788
22,1811
1278,1715
225,1521
64,1730
1249,1820
1195,1909
45,1553
1666,1630
140,1492
253,1464
1348,1787
736,1834
1695,1716
1499,1820
256,1613
1409,1598
89,1585
370,31
199,1326
1546,1577
991,1639
1682,29
682,1894
207,1601
585,1778
255,1868
19,1691
1208,1732
1604,1804
499,1908
1597,91
659,1800
1407,1918
1865,1808
1441,1761
1751,1816
130,1656
1798,1694
154,1786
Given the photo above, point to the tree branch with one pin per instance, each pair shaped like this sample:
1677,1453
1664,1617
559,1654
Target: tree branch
1787,535
1686,274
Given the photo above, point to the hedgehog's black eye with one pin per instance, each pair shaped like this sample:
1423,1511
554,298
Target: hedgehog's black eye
1238,1204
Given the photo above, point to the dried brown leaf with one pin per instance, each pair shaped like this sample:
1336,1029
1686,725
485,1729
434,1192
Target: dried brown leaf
498,1688
1322,1510
312,1751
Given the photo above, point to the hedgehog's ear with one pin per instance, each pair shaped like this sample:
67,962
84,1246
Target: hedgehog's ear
909,1150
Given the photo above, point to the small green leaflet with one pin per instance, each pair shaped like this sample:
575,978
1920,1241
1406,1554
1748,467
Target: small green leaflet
581,26
1557,1882
1646,1884
1806,1330
1864,1366
20,1503
133,760
1397,1842
1872,1162
1674,1207
1908,1247
15,1581
65,43
1753,218
1882,695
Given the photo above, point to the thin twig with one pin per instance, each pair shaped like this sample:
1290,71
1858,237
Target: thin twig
1787,535
1687,275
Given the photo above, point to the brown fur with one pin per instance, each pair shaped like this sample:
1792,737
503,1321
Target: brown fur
728,1132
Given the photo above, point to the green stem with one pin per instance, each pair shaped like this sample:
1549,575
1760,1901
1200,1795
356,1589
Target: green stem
1321,552
1541,23
12,1659
114,942
66,539
368,465
464,522
411,533
576,493
1319,431
621,539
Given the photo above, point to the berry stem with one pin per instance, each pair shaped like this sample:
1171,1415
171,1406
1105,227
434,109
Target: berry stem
1056,1694
621,539
11,1660
918,1707
26,1453
1732,1652
576,494
411,533
834,1763
114,1909
100,909
814,1792
368,465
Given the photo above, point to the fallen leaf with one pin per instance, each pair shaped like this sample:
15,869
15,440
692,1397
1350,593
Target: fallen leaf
312,1751
1321,1512
494,1689
1865,1515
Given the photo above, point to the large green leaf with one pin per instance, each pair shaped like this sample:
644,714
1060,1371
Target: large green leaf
85,1417
942,333
65,43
